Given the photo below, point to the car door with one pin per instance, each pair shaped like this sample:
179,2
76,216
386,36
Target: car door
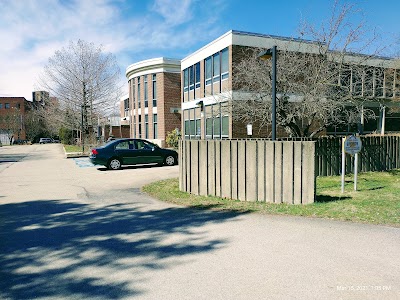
147,152
126,150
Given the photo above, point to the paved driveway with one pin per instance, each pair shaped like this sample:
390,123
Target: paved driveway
73,232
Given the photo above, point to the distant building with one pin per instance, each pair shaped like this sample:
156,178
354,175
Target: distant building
12,119
41,97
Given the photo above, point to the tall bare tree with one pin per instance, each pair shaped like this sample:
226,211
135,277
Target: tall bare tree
85,81
319,78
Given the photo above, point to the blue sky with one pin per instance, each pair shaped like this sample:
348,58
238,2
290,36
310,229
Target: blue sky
32,30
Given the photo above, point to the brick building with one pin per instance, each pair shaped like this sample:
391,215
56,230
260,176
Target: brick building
153,108
207,76
12,118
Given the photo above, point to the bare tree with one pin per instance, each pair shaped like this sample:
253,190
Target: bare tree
322,81
85,82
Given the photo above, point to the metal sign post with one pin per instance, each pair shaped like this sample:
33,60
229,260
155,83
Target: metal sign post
351,145
343,163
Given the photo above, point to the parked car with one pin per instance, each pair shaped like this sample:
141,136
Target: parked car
120,152
45,140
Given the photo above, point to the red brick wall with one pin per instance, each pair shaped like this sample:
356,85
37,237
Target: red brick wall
171,99
14,103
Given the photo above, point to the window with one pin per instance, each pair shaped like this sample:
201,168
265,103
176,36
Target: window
216,67
209,127
7,105
155,128
191,78
198,128
213,127
146,126
138,91
224,64
225,126
1,105
140,126
185,80
187,128
154,90
133,93
146,100
197,75
122,146
208,70
134,126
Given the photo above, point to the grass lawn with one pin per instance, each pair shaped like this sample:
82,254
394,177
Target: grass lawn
73,148
377,200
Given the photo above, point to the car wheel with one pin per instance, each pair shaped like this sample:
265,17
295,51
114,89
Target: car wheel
170,160
114,164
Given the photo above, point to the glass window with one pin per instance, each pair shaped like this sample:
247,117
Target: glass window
225,126
209,127
122,146
154,90
198,127
208,70
191,78
197,74
217,127
140,126
185,80
187,127
146,126
134,126
7,105
133,93
1,105
192,127
224,64
155,127
216,67
146,100
138,91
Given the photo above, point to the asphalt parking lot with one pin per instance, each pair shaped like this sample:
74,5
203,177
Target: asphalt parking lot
69,230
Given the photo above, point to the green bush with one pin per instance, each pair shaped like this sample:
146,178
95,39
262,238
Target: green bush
173,138
66,136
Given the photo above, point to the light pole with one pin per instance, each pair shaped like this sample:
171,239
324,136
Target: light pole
271,53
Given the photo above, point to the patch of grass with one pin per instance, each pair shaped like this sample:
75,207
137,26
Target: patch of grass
72,148
376,201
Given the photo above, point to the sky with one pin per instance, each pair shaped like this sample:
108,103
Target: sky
133,30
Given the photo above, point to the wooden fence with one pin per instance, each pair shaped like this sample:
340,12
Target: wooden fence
249,170
378,153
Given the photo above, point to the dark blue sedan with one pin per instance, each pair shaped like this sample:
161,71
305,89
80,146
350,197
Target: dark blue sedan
132,152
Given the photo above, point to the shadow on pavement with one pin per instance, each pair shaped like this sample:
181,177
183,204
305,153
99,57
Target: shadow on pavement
62,249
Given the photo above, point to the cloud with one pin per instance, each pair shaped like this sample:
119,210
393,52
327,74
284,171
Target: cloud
174,12
132,30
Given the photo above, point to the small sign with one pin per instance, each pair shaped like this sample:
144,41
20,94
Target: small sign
352,144
249,129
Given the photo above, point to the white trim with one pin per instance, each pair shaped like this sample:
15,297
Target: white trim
250,39
210,100
146,111
218,44
124,97
154,65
